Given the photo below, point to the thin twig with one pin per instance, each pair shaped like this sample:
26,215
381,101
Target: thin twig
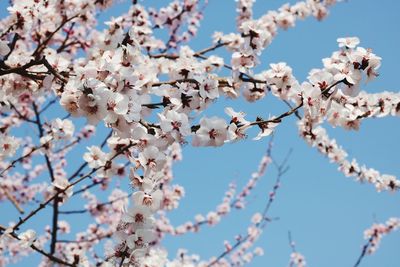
364,251
291,242
260,225
293,110
63,44
20,159
13,200
53,70
98,206
107,235
50,103
20,114
197,54
42,46
175,82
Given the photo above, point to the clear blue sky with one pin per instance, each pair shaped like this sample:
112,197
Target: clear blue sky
325,211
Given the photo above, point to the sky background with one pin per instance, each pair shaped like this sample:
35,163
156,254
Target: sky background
326,212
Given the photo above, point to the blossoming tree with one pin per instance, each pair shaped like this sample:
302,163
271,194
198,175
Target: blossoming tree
151,94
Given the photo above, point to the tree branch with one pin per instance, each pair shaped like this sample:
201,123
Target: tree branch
45,203
293,110
43,45
47,255
100,205
52,177
13,200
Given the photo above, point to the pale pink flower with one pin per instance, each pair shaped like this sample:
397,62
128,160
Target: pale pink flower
95,157
8,146
212,132
27,238
62,129
348,42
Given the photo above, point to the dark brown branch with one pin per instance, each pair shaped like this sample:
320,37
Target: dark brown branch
296,113
98,238
86,188
76,173
61,191
175,82
20,159
99,206
76,141
23,117
49,104
8,30
153,105
364,250
197,54
123,258
293,110
63,44
103,144
53,71
225,65
23,70
47,255
43,45
54,227
13,200
93,184
73,212
174,31
52,177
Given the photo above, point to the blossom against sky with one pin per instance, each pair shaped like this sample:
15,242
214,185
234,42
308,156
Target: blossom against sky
325,211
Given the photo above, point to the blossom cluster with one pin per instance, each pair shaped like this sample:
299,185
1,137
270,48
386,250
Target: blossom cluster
297,259
257,34
377,231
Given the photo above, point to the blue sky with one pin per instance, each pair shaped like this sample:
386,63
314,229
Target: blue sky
325,211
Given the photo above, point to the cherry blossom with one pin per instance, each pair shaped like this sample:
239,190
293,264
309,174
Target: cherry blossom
8,146
349,42
95,157
212,132
27,238
62,129
377,231
296,259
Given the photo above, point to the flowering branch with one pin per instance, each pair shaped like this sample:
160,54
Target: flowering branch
259,223
34,247
53,197
374,235
42,45
153,101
